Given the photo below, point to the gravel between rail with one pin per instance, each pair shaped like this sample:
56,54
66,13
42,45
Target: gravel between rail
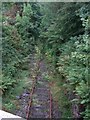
41,104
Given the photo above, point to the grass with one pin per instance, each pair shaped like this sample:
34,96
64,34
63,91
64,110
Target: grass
59,94
59,91
10,102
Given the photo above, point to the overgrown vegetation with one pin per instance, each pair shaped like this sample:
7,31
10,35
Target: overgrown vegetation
67,48
19,37
61,32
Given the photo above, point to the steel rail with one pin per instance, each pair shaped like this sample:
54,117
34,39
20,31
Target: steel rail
50,109
30,102
28,112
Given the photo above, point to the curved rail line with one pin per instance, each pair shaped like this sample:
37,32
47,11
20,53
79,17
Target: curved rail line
29,109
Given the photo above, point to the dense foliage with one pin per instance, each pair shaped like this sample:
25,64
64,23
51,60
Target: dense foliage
18,41
68,47
61,32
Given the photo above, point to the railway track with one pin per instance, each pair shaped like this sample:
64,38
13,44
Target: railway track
40,100
37,101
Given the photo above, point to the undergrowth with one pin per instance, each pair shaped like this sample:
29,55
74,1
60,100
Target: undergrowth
59,92
10,102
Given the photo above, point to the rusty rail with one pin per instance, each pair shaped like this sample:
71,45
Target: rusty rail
50,111
28,112
30,102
